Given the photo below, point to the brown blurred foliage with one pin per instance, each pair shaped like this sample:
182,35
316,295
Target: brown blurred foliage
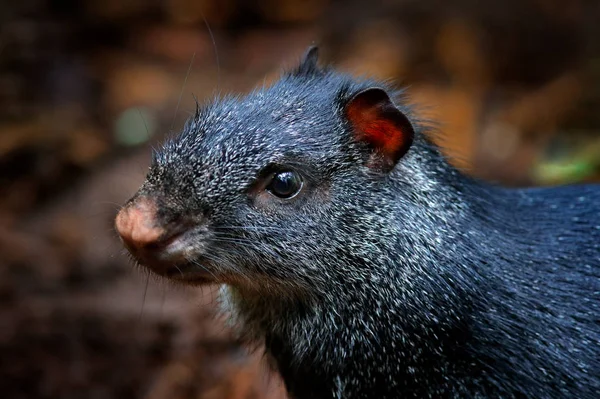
87,86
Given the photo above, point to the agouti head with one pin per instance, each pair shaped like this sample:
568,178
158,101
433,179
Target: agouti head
277,191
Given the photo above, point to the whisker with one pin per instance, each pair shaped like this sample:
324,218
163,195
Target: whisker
202,267
187,75
144,297
118,205
251,228
236,240
248,244
144,121
162,299
214,43
180,272
230,262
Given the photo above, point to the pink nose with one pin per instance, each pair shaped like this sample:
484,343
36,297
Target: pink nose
137,226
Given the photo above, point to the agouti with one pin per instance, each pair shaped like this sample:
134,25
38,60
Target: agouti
367,265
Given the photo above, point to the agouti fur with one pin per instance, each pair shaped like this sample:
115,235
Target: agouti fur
389,274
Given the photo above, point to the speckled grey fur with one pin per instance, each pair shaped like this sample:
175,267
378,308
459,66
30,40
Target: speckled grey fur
420,282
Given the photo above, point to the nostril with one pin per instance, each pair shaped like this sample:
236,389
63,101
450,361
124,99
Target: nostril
137,225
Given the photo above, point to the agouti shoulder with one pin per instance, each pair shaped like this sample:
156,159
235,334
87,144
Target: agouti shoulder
368,266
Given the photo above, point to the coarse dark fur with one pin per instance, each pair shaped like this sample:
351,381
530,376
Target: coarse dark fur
417,282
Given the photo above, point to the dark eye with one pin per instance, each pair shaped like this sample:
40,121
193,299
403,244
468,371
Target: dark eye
285,184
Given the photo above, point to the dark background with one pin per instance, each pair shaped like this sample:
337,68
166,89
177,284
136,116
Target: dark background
86,87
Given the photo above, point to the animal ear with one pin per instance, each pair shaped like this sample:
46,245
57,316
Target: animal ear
377,122
309,63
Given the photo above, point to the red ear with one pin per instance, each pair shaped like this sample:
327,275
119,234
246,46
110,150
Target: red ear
377,122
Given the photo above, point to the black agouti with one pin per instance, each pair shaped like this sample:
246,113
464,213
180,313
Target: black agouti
368,266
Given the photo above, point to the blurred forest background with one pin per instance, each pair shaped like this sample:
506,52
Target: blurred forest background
87,86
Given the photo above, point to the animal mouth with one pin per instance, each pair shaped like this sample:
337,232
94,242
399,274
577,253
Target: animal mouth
172,261
169,250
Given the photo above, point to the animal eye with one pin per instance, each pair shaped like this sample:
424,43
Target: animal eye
285,184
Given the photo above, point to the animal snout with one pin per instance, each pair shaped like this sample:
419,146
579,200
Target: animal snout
137,225
145,236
